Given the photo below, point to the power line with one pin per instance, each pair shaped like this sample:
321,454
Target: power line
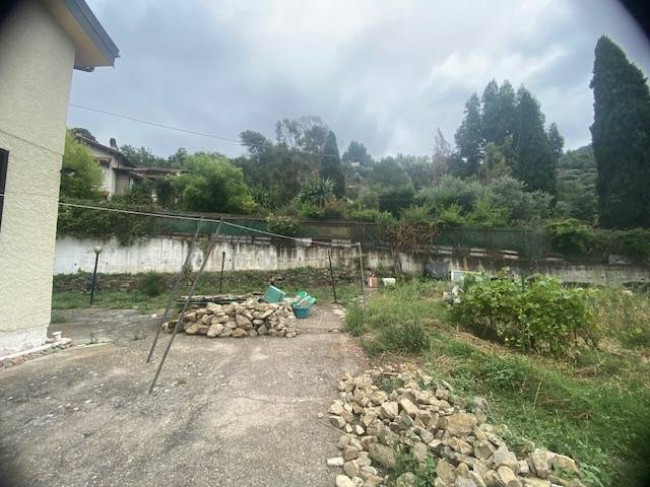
31,143
195,132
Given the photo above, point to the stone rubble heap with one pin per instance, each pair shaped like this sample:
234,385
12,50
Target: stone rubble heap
424,418
238,320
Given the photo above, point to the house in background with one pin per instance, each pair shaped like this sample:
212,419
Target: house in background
117,170
41,42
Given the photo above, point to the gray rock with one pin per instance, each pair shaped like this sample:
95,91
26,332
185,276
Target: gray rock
563,463
541,462
503,456
344,481
383,455
350,453
463,482
459,424
239,333
409,408
407,479
446,472
420,452
214,330
243,322
388,410
351,468
508,477
483,449
335,462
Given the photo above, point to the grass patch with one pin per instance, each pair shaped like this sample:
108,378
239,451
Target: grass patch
593,405
151,292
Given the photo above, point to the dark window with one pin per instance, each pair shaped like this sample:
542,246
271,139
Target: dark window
4,161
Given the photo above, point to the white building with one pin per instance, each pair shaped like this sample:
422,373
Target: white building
41,41
117,174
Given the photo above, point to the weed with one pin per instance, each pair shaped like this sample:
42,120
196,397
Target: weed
355,318
138,334
58,318
152,284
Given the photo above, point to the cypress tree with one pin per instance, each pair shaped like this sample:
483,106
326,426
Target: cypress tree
535,164
469,138
331,165
490,117
507,112
621,138
556,141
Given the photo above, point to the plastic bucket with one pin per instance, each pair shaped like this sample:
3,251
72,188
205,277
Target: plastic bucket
301,313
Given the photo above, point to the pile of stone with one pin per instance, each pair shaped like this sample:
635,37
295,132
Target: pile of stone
250,318
423,418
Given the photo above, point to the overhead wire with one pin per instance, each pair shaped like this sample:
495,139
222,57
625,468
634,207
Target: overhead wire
176,216
197,133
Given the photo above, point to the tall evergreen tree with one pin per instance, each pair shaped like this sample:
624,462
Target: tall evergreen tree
331,166
621,138
490,116
469,138
535,163
507,113
556,141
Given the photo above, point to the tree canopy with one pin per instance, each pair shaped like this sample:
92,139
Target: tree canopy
621,138
81,176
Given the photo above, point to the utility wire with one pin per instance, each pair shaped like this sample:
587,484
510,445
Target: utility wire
31,143
191,218
197,133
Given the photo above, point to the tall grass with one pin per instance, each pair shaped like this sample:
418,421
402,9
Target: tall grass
593,405
625,317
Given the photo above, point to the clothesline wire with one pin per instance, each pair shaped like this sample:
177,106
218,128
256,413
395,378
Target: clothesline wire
195,218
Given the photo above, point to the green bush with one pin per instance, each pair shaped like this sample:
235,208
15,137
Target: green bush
539,315
152,284
407,337
282,225
571,236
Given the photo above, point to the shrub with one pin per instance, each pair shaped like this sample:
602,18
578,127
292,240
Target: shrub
408,337
152,284
539,315
282,225
417,214
571,236
451,216
450,191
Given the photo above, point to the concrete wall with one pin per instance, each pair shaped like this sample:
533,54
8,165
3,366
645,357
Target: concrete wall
36,62
168,254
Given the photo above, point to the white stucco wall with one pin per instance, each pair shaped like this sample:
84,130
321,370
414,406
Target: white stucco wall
167,254
108,173
36,62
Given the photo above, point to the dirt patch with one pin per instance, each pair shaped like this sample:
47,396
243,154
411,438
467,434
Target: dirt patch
225,413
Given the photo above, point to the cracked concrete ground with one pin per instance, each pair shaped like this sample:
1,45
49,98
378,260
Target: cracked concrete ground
227,412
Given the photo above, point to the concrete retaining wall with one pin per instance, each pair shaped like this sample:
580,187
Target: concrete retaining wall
167,255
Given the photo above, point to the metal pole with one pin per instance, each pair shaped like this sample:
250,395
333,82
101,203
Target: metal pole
174,292
223,261
92,289
329,257
363,286
181,316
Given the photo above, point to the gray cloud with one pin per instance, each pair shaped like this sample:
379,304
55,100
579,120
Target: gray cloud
386,73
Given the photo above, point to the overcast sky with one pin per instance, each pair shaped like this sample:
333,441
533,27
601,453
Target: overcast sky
383,72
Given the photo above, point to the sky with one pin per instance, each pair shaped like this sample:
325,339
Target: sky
386,73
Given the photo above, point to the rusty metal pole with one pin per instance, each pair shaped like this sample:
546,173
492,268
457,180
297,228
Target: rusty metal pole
181,316
223,261
363,285
329,257
174,292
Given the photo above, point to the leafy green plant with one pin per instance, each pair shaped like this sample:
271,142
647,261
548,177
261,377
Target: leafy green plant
316,192
538,315
152,284
282,225
571,236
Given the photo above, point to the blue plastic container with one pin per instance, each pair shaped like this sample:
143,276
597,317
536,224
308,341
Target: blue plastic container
301,313
273,295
